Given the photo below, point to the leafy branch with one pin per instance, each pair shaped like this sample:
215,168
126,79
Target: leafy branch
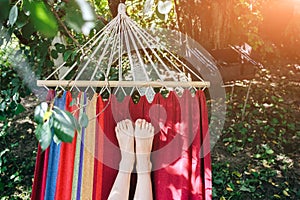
56,124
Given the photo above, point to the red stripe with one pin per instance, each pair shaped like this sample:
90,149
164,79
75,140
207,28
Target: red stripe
205,147
40,175
98,166
66,163
41,166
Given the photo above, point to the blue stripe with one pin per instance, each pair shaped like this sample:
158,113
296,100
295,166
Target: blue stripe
54,154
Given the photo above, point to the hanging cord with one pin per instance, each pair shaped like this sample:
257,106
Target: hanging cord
90,58
116,25
147,37
145,51
89,43
100,33
135,31
113,23
98,114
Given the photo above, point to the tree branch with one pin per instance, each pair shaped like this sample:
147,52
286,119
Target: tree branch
64,27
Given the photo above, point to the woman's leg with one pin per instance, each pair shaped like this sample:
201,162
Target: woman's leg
144,133
124,132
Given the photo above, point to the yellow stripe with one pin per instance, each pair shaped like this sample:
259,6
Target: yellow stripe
89,151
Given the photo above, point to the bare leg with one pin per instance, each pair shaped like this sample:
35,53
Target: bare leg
124,132
144,133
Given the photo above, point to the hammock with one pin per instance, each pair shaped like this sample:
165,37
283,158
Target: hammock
87,167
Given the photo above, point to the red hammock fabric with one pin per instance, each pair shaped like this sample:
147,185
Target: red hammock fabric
41,166
180,158
67,153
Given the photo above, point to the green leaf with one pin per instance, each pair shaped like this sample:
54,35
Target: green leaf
218,181
28,30
63,132
3,152
39,113
56,140
44,135
4,5
243,131
74,20
274,121
236,173
64,125
83,120
15,82
54,54
269,151
22,20
257,155
245,189
43,19
292,126
2,118
2,185
2,106
80,16
20,108
255,174
60,47
73,102
8,34
13,15
67,54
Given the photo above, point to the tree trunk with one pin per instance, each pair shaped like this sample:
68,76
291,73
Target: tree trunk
208,22
113,6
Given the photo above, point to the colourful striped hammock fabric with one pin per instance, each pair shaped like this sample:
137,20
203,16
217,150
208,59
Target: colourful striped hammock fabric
87,167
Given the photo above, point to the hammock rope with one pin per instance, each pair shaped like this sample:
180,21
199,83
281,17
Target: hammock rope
141,61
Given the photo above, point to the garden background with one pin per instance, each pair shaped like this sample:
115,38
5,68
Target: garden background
257,155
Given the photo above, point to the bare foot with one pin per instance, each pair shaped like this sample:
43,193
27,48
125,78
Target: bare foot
124,132
144,133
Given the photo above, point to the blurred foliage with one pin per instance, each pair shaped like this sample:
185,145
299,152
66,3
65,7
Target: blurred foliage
270,27
17,155
216,24
147,14
12,89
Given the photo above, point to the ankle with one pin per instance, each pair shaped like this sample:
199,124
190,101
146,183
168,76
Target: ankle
127,162
143,163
